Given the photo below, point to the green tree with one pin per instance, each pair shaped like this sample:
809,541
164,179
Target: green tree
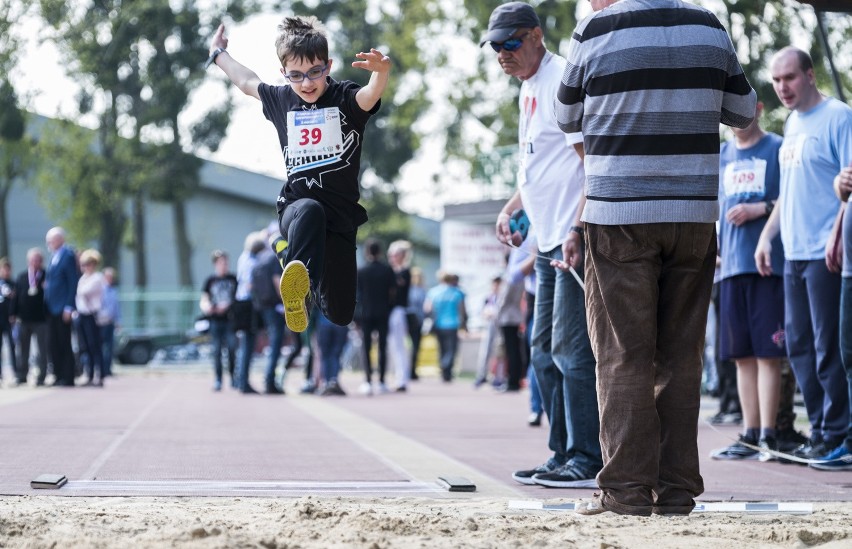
137,63
16,150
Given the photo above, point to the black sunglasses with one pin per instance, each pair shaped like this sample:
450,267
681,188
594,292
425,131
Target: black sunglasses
512,44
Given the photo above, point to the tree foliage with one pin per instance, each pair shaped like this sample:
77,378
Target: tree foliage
16,149
137,64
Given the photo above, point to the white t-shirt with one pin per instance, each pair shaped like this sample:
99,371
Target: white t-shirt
550,172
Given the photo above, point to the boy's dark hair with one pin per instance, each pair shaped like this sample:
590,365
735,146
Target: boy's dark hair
374,247
301,38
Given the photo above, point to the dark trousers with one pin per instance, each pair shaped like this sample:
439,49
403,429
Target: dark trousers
6,331
448,344
514,356
328,256
812,330
331,339
25,335
415,325
379,326
60,351
108,342
648,291
90,343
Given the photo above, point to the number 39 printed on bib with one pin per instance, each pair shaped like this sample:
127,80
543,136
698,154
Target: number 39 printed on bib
314,133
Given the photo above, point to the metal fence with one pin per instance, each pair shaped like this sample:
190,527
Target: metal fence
161,311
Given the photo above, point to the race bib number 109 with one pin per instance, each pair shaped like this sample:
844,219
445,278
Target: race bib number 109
314,133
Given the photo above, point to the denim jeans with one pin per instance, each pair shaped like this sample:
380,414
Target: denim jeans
812,329
846,344
108,343
222,337
647,290
448,344
274,322
331,340
247,340
565,366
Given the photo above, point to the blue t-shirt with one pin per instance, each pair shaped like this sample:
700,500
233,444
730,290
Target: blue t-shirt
747,175
446,302
847,242
817,144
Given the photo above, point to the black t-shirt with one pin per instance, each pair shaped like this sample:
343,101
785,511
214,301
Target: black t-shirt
403,283
375,283
222,291
330,178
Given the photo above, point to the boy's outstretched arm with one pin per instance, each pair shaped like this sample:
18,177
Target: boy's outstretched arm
379,64
243,78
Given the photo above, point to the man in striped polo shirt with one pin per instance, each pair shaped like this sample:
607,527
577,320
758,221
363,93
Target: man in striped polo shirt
648,82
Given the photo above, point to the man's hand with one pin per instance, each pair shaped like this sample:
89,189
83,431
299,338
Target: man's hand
572,253
763,257
219,40
743,213
373,60
502,230
66,317
843,184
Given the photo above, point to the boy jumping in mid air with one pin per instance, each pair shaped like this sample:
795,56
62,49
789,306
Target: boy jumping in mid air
320,124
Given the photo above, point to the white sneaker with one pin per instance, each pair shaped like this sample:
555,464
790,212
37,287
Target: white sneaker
365,388
383,389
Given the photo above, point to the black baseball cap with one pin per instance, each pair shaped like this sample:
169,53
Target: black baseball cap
506,19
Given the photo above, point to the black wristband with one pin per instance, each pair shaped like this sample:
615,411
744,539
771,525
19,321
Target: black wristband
577,229
770,205
213,56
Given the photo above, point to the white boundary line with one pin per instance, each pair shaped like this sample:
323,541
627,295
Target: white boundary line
790,508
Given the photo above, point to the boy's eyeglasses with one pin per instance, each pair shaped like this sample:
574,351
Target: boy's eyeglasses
312,74
512,44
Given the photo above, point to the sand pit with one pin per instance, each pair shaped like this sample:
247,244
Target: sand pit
312,522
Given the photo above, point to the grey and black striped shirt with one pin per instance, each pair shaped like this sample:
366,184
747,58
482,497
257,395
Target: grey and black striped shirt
648,82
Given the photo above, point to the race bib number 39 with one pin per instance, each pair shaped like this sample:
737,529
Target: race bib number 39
314,133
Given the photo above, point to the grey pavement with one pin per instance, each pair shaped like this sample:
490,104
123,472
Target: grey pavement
161,430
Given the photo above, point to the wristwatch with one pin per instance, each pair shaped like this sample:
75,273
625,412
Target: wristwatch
577,229
770,205
213,56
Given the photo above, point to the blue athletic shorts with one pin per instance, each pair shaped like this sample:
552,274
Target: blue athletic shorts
751,311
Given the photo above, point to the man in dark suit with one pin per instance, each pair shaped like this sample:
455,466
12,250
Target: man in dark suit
28,308
60,291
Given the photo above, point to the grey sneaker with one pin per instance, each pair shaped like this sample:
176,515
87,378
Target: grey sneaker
738,450
525,476
567,476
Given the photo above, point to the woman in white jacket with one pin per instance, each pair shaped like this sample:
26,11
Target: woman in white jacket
90,290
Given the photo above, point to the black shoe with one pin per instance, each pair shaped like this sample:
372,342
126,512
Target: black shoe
534,420
567,476
525,476
812,449
737,451
273,390
332,388
249,390
789,439
401,389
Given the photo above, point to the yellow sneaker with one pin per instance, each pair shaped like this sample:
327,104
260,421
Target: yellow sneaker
295,286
